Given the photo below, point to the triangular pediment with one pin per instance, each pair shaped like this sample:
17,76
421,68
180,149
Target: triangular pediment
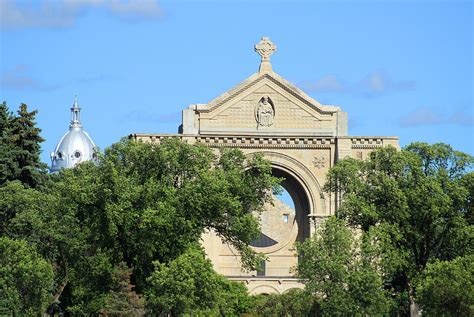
265,103
269,79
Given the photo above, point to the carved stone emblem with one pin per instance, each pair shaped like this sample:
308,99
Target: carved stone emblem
320,161
265,112
359,155
265,48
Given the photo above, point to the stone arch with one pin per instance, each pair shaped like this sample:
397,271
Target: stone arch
292,288
305,192
264,289
313,190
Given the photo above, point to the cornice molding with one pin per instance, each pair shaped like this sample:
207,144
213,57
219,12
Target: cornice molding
265,142
251,82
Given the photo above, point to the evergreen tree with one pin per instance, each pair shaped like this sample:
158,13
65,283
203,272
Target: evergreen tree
6,118
122,299
20,148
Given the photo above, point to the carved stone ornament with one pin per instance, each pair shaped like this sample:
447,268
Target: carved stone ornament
265,112
265,48
320,161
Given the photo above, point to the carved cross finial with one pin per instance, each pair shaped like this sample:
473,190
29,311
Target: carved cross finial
265,49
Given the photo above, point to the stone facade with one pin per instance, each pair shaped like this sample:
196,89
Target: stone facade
302,139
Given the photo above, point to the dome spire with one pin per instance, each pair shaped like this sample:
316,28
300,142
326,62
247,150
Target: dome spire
75,115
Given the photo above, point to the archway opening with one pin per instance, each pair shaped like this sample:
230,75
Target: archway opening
285,220
299,199
285,197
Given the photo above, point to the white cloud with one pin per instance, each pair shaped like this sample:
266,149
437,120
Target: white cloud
462,117
329,83
379,83
427,116
421,116
373,84
59,14
135,9
18,79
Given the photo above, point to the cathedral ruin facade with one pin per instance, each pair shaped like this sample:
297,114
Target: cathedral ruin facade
301,138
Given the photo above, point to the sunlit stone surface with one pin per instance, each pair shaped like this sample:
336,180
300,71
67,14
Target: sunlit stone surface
300,137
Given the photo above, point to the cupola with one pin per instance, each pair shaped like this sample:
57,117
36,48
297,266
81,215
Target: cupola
75,146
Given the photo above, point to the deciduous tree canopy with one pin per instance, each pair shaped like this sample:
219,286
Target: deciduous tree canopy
413,205
112,237
339,272
140,204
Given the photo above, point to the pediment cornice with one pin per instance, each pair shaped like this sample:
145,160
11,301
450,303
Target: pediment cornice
257,78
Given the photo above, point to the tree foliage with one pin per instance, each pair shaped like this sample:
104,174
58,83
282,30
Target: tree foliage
189,284
446,288
94,239
293,303
142,203
122,299
20,147
340,274
25,278
413,206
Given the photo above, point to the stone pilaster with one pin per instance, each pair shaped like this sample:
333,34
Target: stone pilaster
315,222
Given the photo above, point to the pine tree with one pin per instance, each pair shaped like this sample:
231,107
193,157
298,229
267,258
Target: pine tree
20,148
123,300
5,118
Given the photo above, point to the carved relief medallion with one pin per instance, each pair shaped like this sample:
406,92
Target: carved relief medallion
265,112
320,161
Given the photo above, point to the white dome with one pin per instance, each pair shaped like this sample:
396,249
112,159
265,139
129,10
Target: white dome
75,146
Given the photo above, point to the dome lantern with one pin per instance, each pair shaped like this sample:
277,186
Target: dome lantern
75,115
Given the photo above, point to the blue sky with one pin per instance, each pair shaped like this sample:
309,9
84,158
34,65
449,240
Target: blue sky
400,68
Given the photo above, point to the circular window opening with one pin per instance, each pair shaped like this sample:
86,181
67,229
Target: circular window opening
60,155
77,154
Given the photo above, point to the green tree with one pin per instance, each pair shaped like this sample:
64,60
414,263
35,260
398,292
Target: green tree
5,119
20,148
37,218
233,298
189,284
25,278
467,181
413,206
293,303
340,274
142,203
122,299
150,202
446,288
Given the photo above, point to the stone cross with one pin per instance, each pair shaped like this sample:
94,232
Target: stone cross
265,49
